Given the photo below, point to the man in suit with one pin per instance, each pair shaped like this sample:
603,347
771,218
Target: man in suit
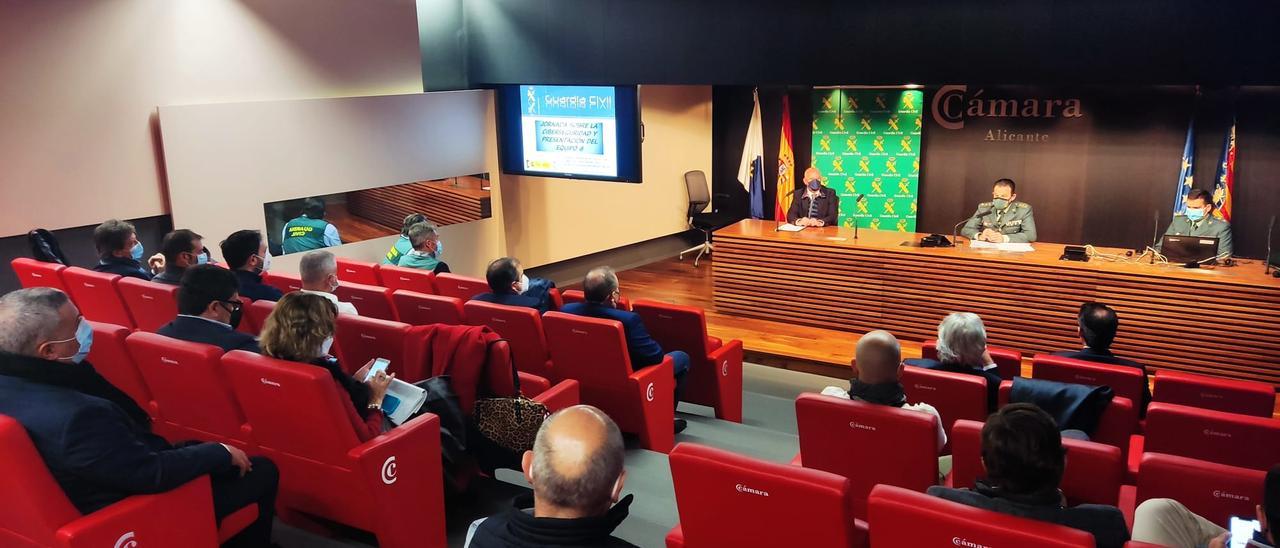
209,309
815,204
246,254
1003,219
182,249
962,348
1098,325
1198,220
509,286
96,441
600,288
119,251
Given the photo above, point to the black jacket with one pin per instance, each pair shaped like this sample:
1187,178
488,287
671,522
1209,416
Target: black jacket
171,275
1105,356
123,267
1073,406
199,330
518,528
512,299
828,204
251,287
1105,523
992,377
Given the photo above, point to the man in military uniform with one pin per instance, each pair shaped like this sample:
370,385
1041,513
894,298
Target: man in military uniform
1003,219
309,231
1199,221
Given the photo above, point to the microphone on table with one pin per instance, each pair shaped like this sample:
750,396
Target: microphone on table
955,230
855,219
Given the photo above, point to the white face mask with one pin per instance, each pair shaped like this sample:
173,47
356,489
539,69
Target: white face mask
266,262
524,285
325,346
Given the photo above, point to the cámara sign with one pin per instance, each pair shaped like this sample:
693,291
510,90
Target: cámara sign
953,104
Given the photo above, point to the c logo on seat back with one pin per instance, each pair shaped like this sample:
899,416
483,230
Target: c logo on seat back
648,392
389,470
126,541
724,368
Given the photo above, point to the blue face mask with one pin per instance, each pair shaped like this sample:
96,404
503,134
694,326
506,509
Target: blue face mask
137,251
84,337
1195,214
814,184
201,258
439,247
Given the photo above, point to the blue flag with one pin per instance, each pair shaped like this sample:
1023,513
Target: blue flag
1188,170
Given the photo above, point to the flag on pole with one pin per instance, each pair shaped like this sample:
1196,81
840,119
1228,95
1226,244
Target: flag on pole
1225,181
786,183
751,169
1188,169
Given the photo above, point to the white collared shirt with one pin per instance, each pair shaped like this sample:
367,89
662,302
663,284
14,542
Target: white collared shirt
228,326
343,308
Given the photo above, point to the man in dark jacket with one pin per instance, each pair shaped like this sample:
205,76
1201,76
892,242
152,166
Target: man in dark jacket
97,442
119,251
1098,325
509,286
815,204
576,470
209,310
182,249
245,252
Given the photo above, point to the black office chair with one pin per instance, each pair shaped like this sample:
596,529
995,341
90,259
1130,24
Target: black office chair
699,198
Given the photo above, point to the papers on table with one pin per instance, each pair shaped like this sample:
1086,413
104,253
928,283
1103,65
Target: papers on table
788,227
1018,247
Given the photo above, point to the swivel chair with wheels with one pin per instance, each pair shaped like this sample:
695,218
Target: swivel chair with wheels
699,198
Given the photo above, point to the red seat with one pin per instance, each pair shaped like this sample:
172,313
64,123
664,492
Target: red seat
412,279
836,436
715,368
522,327
460,287
1118,422
390,485
246,327
35,512
1232,396
255,315
557,300
956,396
1008,361
1214,436
189,390
901,517
727,499
1093,474
151,305
357,272
371,301
33,273
96,296
593,352
360,339
286,283
577,296
416,308
111,359
1125,381
1210,490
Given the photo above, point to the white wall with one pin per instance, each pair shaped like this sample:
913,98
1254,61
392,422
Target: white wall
80,81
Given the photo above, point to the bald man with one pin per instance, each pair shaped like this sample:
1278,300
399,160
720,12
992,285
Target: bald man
815,204
576,470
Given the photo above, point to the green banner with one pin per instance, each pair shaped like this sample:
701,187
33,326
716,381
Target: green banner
868,142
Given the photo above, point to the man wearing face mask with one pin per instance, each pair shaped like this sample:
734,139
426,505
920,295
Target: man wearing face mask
427,249
119,251
401,246
1198,220
1003,219
209,310
95,440
509,286
815,204
319,273
182,249
246,254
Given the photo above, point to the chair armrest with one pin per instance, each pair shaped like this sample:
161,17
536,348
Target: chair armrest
563,394
183,516
402,470
532,385
655,392
728,374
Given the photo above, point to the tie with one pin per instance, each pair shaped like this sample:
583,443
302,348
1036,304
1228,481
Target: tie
813,207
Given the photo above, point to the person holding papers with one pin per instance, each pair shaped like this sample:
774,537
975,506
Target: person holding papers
1002,220
815,204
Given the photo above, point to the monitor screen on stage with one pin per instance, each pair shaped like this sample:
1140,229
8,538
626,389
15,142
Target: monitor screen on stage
583,132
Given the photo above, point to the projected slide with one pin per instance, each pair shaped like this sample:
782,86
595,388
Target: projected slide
569,130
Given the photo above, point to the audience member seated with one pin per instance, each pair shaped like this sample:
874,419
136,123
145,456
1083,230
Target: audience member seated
209,310
402,247
300,329
962,348
95,440
246,254
600,289
119,251
309,230
319,273
509,286
1098,325
576,470
1024,459
182,249
1168,523
426,251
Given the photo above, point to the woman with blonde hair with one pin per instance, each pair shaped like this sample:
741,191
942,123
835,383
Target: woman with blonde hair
300,329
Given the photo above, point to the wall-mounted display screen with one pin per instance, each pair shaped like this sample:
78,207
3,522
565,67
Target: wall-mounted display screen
584,132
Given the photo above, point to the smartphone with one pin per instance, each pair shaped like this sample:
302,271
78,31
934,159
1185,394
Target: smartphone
379,364
1242,531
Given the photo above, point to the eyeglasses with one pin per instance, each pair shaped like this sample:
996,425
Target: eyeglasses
233,306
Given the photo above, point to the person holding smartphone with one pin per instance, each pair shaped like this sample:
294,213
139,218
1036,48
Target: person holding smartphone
1167,522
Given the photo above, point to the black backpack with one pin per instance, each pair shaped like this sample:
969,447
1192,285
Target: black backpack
44,247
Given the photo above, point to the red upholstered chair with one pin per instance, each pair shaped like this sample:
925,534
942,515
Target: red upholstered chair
96,296
286,283
33,273
460,287
955,395
150,304
557,300
1210,490
111,359
1232,396
1008,361
577,296
371,301
412,279
1214,436
901,517
357,272
727,499
35,512
189,390
868,444
593,352
521,326
715,367
1093,474
1118,422
360,339
416,308
390,485
1125,381
255,315
245,327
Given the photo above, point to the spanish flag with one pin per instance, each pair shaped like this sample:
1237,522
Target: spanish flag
1225,181
786,183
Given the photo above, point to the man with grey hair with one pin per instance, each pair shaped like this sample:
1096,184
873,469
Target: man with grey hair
319,272
97,442
425,254
600,288
576,470
401,246
962,348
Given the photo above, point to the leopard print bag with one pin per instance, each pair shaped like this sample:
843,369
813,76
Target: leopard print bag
511,423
